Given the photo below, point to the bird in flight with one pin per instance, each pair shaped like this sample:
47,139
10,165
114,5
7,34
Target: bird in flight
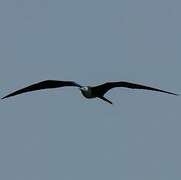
87,91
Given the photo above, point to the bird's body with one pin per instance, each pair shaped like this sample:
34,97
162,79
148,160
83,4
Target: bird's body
87,91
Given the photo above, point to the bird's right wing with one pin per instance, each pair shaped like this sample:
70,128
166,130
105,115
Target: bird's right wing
103,88
43,85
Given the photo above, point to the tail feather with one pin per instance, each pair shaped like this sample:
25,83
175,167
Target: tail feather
104,99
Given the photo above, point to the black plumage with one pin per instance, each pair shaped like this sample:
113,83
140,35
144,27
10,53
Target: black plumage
87,91
103,88
48,84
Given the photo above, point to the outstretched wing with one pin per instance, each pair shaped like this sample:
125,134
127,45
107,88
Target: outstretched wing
102,89
43,85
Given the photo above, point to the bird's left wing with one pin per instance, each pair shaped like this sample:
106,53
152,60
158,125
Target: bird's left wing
102,89
43,85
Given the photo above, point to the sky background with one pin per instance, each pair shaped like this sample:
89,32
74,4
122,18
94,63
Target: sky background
58,134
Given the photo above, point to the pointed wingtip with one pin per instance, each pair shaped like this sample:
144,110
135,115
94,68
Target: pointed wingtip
171,93
175,94
4,97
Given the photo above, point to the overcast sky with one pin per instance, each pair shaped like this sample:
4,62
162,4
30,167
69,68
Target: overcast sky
58,134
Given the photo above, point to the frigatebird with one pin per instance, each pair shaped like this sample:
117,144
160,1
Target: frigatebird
87,91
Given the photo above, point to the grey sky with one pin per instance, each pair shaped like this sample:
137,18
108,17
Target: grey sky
57,134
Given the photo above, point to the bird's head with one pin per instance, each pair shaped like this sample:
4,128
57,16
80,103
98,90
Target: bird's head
84,88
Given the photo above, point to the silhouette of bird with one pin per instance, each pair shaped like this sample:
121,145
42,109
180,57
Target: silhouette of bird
87,91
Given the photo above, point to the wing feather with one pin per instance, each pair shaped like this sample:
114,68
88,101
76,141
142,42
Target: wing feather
102,89
48,84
